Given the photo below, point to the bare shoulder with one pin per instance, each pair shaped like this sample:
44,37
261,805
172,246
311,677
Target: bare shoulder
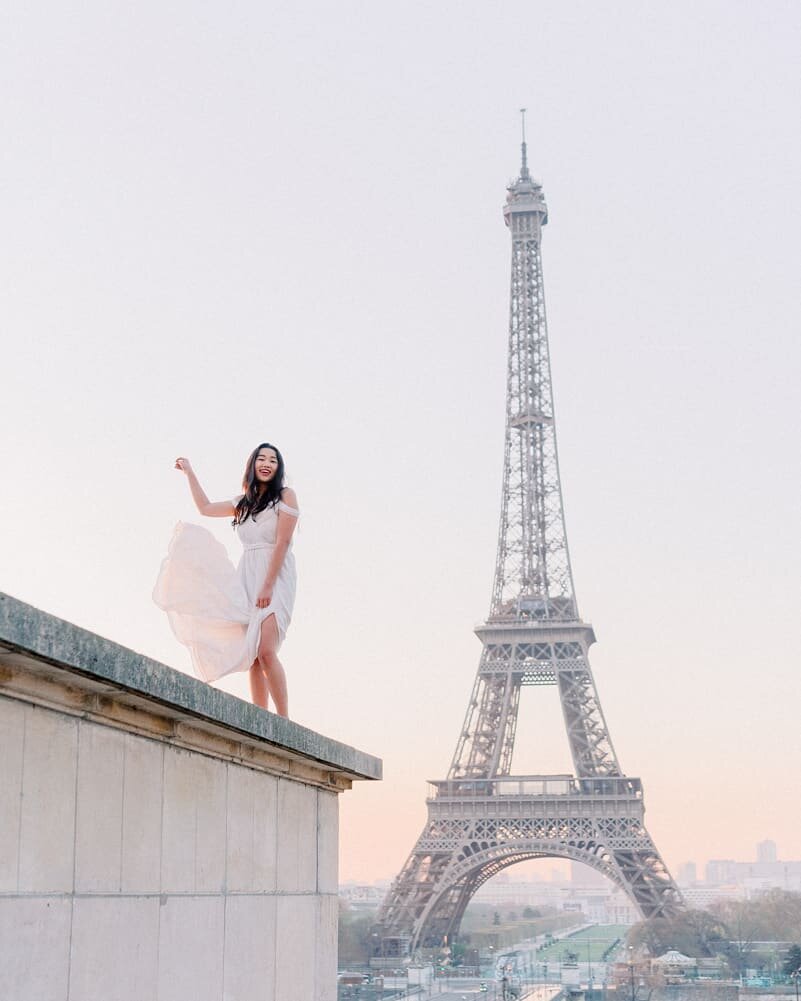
289,497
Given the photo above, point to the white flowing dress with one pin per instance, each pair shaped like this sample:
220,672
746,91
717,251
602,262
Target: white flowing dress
211,605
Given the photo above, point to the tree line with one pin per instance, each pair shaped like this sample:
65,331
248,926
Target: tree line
740,931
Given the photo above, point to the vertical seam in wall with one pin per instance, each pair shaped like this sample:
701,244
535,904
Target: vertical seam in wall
276,813
224,943
122,804
161,820
276,900
25,714
74,855
158,948
78,729
195,852
161,824
225,884
69,950
336,854
256,844
276,892
161,873
318,903
227,814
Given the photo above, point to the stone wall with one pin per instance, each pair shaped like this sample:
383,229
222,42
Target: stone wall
159,840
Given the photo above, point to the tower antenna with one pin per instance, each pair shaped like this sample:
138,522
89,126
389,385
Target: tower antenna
524,174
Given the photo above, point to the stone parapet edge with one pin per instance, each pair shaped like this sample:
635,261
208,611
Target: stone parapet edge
36,636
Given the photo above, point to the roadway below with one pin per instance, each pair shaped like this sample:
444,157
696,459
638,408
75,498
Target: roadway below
469,989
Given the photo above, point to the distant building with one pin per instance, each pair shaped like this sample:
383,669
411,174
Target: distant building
603,905
766,851
587,893
362,895
502,892
701,897
674,966
583,875
687,874
752,878
720,872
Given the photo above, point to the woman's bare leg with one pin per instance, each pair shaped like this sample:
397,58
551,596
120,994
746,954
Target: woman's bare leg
259,692
271,666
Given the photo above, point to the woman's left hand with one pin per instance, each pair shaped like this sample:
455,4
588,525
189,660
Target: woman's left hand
265,596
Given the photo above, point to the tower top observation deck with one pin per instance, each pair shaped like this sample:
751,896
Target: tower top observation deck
524,195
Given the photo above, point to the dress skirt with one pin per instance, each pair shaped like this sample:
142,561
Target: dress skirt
211,605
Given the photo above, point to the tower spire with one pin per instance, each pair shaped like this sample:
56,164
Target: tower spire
524,172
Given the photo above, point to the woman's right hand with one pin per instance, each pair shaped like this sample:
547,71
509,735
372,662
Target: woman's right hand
183,464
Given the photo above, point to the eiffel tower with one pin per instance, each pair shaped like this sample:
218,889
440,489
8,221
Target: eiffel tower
482,818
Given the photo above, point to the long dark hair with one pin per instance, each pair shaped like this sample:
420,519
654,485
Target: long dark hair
255,500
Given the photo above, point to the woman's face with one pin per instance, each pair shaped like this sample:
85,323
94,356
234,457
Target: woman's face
266,465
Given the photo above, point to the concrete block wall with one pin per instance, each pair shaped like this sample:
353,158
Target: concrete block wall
149,853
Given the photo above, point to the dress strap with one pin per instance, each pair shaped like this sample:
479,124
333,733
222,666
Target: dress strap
289,510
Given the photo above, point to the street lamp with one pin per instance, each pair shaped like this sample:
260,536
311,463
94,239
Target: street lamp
631,972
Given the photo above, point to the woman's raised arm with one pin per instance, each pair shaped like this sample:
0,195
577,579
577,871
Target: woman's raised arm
212,509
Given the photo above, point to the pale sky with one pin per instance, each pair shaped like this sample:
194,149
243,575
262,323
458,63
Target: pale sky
230,223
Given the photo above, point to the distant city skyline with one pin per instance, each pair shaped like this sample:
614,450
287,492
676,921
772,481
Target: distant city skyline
602,902
563,870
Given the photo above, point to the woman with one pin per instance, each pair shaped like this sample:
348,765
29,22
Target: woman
235,620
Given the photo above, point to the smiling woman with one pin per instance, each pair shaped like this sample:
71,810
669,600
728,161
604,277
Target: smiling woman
235,619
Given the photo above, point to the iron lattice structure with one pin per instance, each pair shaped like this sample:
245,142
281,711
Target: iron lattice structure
482,819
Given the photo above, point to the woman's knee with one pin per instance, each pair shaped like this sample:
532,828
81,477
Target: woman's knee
268,641
268,648
267,658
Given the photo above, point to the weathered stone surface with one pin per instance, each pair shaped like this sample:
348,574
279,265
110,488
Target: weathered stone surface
191,949
327,842
115,949
296,927
47,824
252,844
98,828
250,956
194,822
297,837
35,948
325,960
141,815
12,737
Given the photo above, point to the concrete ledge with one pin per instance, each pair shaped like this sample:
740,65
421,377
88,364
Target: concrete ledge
38,651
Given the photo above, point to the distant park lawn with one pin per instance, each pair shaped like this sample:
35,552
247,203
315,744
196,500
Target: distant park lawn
591,943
